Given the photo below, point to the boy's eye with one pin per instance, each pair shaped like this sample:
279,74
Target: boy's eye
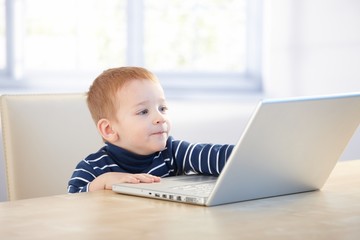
143,112
163,109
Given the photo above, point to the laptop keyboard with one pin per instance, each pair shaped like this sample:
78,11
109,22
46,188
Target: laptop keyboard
197,189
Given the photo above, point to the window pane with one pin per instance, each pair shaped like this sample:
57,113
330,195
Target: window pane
76,35
2,35
199,35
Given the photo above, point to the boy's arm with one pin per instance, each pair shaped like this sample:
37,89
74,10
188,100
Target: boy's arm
81,178
201,158
85,179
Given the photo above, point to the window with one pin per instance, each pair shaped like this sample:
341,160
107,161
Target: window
200,44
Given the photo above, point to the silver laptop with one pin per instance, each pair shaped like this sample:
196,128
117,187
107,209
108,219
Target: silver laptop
289,146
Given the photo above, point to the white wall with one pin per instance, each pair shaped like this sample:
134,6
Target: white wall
311,47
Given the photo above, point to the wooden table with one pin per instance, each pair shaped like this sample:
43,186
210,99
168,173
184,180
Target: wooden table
332,213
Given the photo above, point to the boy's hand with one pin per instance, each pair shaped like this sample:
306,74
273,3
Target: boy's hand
106,180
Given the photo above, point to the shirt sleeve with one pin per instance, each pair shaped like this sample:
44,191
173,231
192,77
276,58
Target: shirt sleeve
207,159
81,178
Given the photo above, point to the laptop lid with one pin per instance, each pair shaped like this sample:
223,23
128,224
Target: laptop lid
289,146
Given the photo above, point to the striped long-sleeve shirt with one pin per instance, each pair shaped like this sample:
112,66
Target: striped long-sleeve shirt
178,157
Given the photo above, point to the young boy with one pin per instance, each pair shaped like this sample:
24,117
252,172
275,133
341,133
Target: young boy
130,111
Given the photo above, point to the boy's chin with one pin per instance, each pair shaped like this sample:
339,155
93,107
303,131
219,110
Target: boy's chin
159,147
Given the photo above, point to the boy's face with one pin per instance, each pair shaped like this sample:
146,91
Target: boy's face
141,122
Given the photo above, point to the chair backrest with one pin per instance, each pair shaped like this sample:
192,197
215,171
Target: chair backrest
44,137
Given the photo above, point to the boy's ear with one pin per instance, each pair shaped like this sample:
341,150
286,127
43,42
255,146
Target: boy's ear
106,131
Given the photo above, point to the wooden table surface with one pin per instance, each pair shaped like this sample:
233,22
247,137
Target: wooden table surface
332,213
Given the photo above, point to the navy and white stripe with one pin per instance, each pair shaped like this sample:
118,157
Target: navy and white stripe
178,158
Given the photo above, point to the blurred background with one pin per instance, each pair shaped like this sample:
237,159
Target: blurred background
215,58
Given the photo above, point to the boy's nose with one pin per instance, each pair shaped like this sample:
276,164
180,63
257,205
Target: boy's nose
160,118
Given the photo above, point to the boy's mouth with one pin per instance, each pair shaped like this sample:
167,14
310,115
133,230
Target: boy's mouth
159,133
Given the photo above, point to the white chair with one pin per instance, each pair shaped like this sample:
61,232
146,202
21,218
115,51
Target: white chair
44,137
